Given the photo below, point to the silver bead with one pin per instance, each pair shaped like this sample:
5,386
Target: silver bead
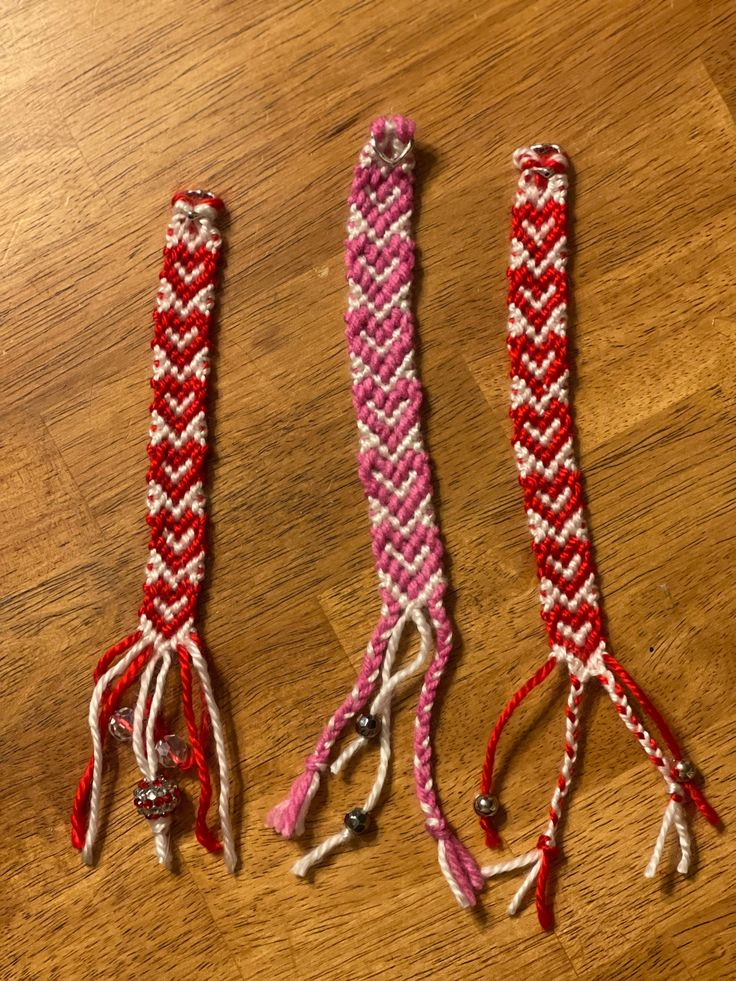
157,798
686,770
357,820
367,726
120,725
486,805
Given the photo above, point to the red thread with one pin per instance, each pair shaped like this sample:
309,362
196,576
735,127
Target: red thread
194,199
204,835
694,792
486,781
548,854
109,704
113,653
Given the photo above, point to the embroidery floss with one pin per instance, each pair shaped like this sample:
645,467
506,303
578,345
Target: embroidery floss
553,499
394,468
177,521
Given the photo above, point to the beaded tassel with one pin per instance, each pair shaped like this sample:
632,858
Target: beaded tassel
176,518
394,468
553,499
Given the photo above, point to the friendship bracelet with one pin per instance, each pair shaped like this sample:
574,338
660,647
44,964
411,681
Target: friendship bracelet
394,468
177,520
553,498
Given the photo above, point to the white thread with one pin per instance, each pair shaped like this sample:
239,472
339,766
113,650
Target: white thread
139,716
316,854
94,727
683,835
530,879
390,682
302,866
153,712
662,837
449,877
147,759
533,858
673,815
498,868
160,829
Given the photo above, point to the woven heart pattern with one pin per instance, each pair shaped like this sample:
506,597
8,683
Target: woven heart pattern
540,411
394,469
166,634
392,462
553,500
178,432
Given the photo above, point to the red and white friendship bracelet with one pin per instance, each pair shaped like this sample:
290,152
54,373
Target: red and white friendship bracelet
553,498
394,468
176,517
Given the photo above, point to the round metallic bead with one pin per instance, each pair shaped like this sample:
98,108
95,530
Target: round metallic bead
367,726
357,820
687,770
486,805
157,798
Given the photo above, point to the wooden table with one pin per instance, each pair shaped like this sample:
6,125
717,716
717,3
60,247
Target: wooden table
106,109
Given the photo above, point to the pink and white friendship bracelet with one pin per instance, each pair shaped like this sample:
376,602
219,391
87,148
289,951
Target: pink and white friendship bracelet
553,498
177,520
394,468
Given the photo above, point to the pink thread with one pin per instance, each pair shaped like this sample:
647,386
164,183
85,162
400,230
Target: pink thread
287,818
394,469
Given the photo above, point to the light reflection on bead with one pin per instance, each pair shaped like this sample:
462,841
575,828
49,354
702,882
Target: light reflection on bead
357,820
173,751
367,726
120,725
686,770
485,805
156,798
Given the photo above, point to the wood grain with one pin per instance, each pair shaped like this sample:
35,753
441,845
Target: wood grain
107,108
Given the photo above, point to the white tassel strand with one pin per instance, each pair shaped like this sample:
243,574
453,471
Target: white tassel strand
93,721
381,707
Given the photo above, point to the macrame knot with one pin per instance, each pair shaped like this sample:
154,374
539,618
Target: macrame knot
438,828
545,846
198,197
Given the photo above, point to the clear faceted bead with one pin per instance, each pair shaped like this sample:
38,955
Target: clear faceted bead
172,751
121,724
